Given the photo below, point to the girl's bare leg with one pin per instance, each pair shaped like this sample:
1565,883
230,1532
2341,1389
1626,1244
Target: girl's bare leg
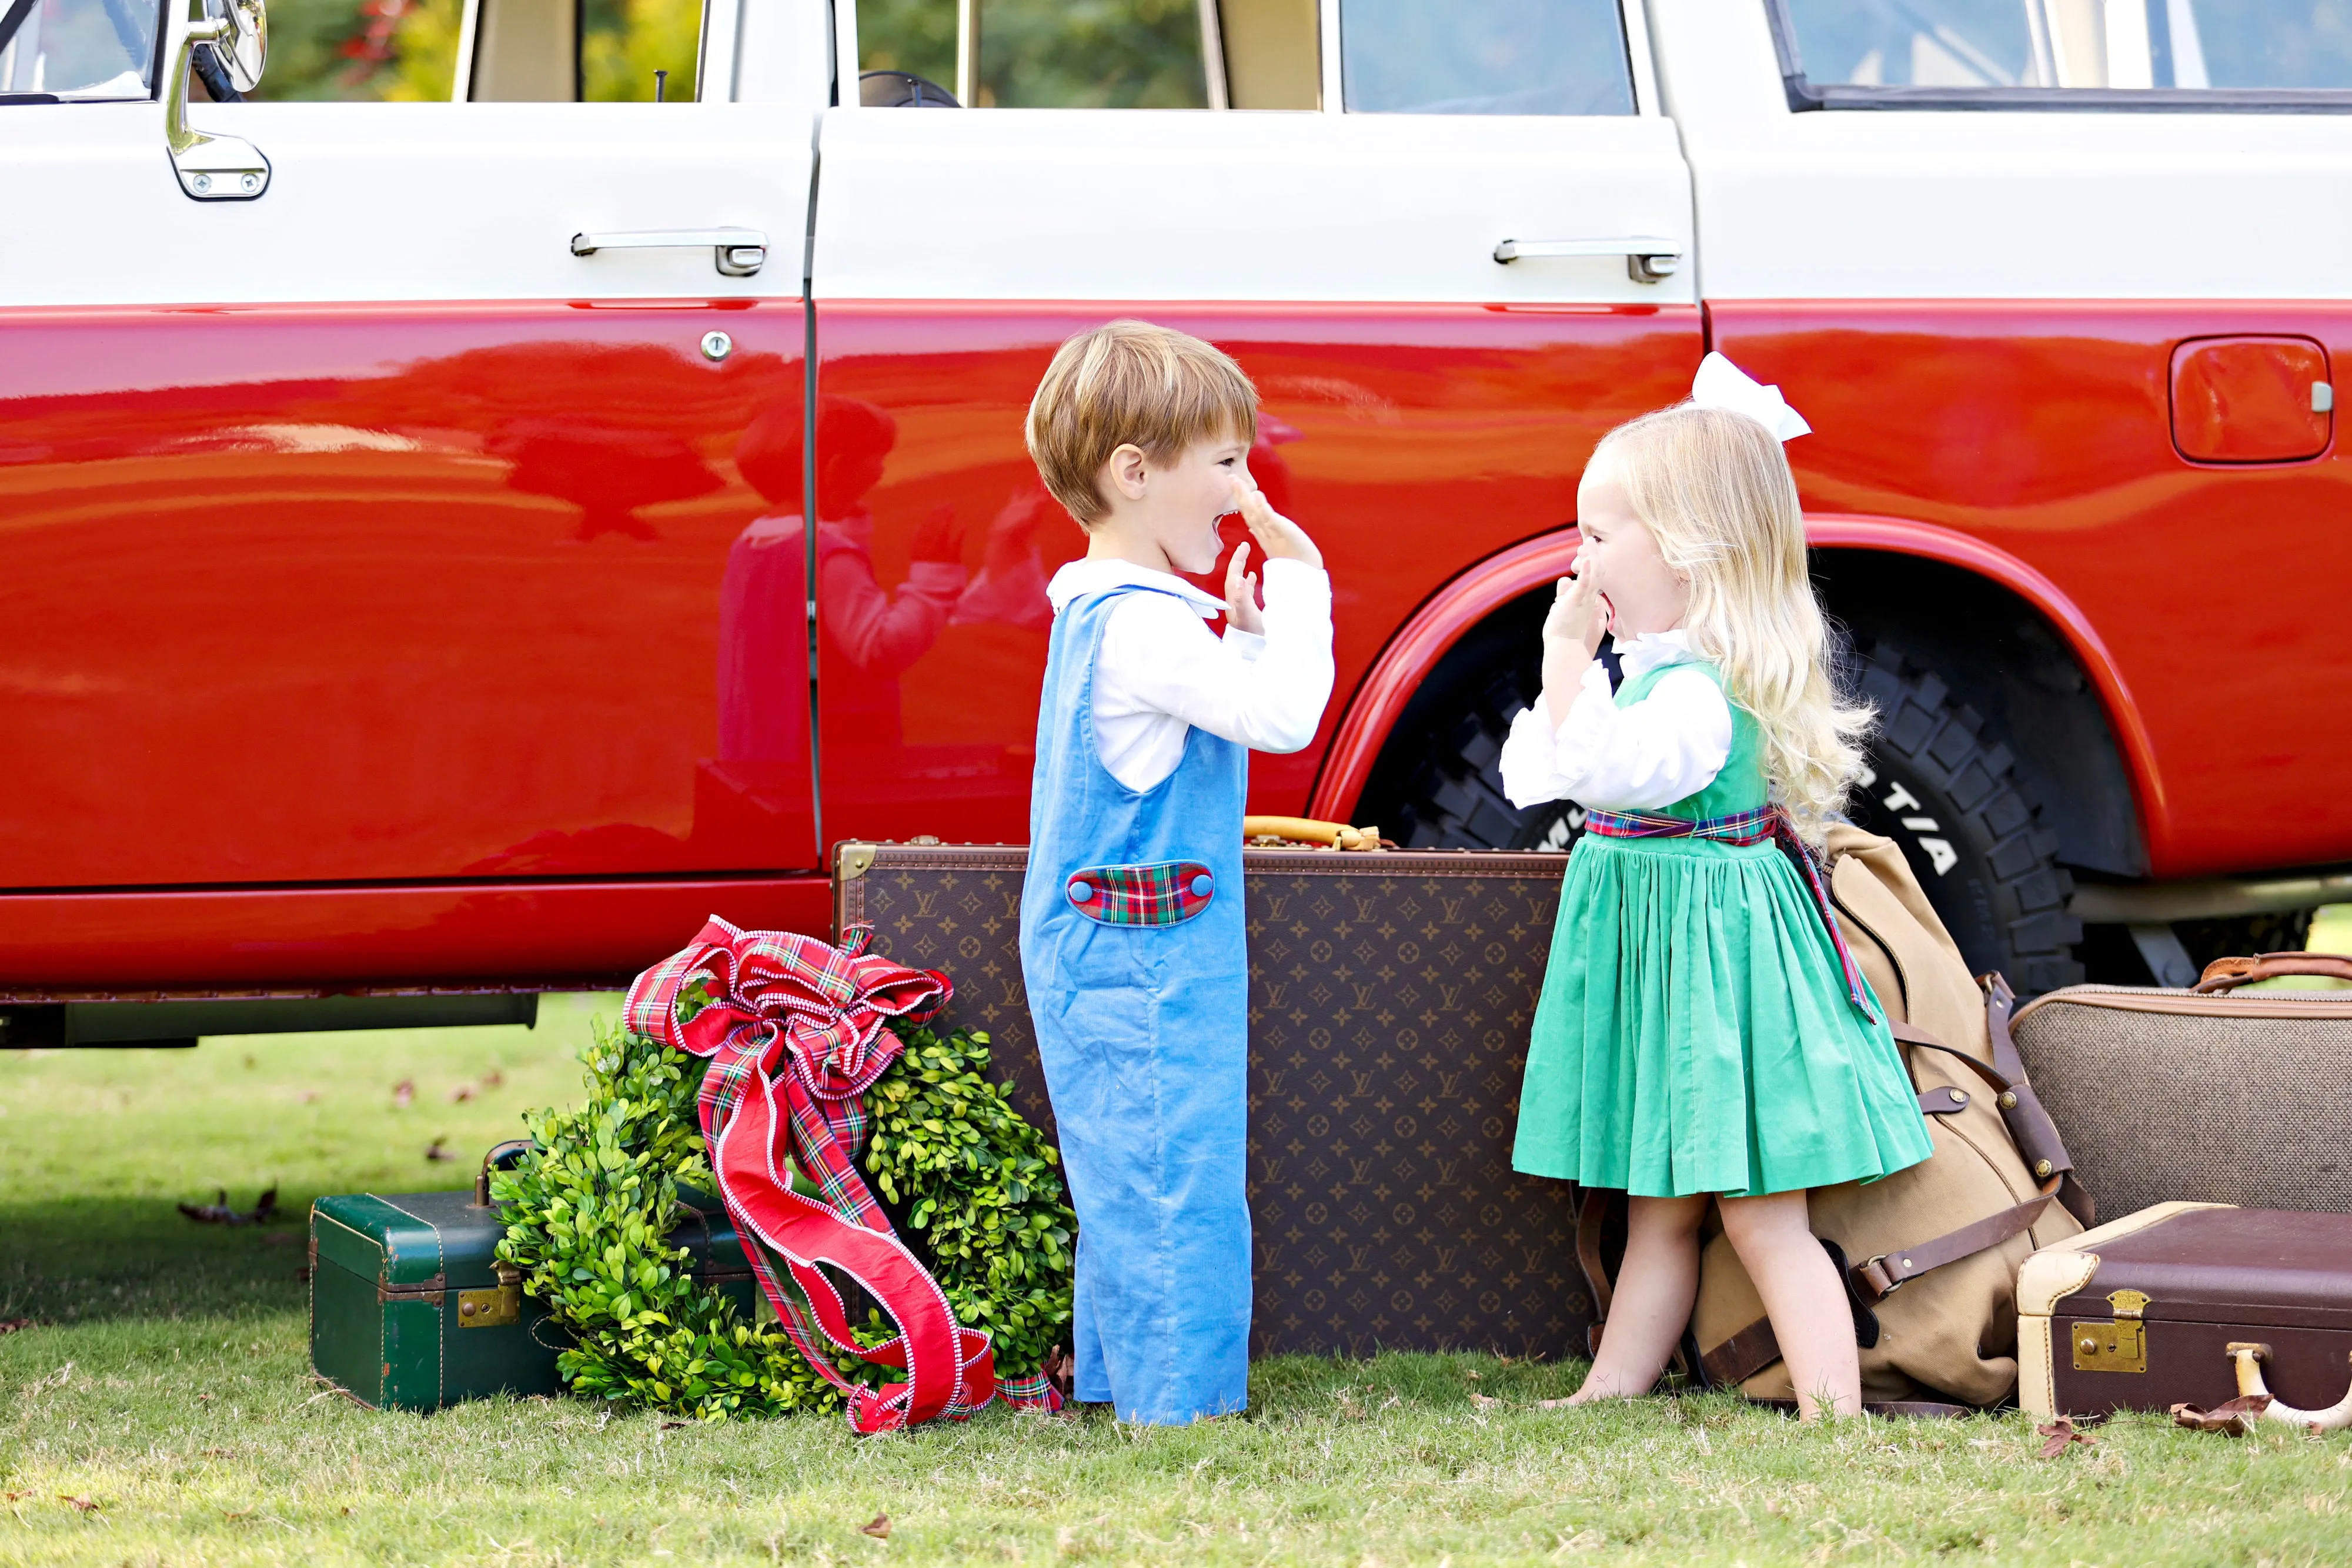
1802,1296
1655,1289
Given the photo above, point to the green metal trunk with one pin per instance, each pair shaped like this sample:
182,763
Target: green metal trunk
411,1309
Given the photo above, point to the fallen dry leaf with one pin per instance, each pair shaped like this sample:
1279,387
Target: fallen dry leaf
1483,1401
264,1210
2234,1420
493,1078
460,1094
404,1092
436,1151
878,1527
79,1504
308,1097
672,1426
15,1325
2063,1435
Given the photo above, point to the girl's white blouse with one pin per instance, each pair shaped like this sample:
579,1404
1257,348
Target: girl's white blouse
1638,757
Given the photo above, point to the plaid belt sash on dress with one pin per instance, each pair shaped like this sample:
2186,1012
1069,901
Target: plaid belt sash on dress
1744,828
795,1032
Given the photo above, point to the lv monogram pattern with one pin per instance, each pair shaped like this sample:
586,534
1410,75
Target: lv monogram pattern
1390,1003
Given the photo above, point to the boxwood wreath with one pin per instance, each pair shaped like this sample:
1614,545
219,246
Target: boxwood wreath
590,1213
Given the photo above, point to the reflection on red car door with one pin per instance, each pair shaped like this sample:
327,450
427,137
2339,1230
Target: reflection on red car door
1410,441
305,594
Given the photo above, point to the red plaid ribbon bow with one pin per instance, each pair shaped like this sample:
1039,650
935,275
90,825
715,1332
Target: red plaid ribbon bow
795,1029
1746,828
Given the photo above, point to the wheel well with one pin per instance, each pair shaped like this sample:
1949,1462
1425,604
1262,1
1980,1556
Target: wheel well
1496,666
1998,653
2003,658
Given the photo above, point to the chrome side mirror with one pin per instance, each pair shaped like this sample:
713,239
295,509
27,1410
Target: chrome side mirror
218,168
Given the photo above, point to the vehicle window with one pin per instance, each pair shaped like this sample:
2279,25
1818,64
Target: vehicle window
2192,45
85,49
1103,53
1493,56
624,42
2261,43
536,51
361,50
1920,43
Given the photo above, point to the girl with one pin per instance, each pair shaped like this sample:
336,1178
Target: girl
1702,1034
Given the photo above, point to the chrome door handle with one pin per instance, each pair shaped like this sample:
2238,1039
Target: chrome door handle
736,253
1648,258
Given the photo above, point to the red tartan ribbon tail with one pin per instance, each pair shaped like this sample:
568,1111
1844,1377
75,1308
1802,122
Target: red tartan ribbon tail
1796,849
791,1018
951,1370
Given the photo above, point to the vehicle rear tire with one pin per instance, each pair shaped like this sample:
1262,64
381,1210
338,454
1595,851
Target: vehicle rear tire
1939,786
1945,790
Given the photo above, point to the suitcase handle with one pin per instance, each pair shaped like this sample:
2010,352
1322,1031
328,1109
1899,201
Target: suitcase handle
2229,973
1308,831
500,1157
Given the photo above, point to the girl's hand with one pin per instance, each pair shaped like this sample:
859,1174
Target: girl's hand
1281,538
1572,634
1241,594
1579,616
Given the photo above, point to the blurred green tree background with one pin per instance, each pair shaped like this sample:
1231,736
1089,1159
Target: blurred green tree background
1048,54
407,50
1034,54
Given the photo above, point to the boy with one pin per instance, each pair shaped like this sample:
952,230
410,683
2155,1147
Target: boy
1132,942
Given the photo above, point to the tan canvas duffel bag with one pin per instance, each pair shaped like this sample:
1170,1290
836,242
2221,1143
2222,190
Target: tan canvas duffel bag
2213,1095
1931,1252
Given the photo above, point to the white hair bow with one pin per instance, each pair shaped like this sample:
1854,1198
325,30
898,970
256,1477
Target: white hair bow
1722,385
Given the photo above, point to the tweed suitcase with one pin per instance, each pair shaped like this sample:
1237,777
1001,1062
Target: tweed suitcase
2213,1095
2191,1304
1390,994
411,1309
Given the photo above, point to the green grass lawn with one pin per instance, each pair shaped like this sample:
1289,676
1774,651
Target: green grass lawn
162,1410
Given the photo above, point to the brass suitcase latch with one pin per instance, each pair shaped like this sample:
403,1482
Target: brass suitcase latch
2118,1346
496,1308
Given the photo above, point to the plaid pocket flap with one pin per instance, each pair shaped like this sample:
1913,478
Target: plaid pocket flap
1162,895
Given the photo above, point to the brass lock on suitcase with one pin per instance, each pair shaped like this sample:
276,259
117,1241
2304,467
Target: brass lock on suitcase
2118,1346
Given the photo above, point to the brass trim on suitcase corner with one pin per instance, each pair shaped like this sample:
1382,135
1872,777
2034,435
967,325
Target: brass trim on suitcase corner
855,861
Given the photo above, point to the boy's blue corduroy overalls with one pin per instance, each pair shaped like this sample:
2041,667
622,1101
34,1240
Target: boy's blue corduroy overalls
1144,1034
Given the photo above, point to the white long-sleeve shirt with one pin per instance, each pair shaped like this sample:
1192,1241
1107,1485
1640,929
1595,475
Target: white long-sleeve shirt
1160,671
1646,755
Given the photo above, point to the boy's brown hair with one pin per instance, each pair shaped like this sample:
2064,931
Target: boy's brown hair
1131,383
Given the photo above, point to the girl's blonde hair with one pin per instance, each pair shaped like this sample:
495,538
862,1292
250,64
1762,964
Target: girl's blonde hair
1714,489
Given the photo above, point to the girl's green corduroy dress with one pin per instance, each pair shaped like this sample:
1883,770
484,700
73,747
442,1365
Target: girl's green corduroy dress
1695,1033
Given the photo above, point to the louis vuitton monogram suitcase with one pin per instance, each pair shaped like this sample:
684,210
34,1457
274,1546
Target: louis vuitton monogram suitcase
1390,994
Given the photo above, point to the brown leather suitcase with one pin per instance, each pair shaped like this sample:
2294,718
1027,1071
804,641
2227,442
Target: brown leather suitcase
1390,994
2215,1095
2191,1304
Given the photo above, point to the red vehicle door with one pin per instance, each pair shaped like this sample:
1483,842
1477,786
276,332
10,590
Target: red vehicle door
1460,258
380,565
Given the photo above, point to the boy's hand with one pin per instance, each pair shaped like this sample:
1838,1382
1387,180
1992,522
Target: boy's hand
1577,617
1241,594
1281,538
